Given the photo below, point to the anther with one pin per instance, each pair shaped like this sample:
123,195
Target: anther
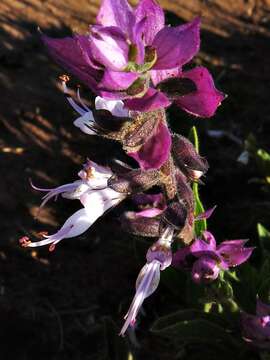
65,78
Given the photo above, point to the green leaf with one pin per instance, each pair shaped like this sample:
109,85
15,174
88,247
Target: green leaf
200,225
193,330
264,237
170,320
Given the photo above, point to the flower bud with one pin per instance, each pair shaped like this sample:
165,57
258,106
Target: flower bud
134,181
141,226
175,215
187,158
184,190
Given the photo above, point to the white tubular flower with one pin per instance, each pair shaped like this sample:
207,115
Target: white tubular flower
86,120
93,193
159,257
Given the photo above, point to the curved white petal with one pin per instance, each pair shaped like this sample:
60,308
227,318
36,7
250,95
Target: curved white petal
155,269
77,192
94,175
96,202
116,107
85,122
146,284
75,225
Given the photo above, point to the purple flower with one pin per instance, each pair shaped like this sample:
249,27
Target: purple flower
150,205
146,221
130,54
206,259
95,196
159,257
205,269
256,328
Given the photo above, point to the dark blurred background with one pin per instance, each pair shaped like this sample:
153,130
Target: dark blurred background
62,305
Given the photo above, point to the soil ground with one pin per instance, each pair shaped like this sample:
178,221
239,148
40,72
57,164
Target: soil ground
53,305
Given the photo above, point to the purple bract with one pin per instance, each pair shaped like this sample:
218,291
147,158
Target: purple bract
130,52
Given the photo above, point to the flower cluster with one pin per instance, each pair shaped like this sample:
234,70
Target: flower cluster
133,63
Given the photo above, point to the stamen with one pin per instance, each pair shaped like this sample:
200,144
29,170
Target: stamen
73,104
65,78
80,100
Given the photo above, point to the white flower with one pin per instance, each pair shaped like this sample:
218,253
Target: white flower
95,196
159,257
86,121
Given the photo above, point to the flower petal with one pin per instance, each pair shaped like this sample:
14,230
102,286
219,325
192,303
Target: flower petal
85,122
205,100
205,270
149,213
69,53
154,15
159,75
115,107
147,282
109,47
206,214
137,40
255,330
75,225
156,150
116,81
176,46
116,13
97,202
54,192
152,204
233,255
237,243
206,245
152,100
